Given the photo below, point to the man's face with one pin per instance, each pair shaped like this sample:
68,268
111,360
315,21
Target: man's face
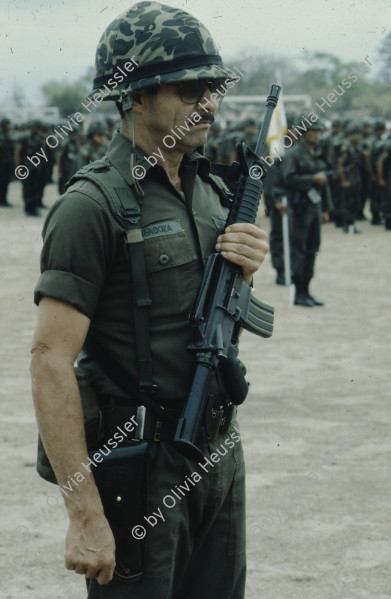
98,139
312,136
355,137
165,111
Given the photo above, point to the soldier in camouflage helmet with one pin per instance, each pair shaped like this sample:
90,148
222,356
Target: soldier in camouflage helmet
377,194
383,172
305,179
96,146
274,191
34,184
197,548
6,160
350,166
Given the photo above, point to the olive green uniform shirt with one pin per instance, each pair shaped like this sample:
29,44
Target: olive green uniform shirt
83,263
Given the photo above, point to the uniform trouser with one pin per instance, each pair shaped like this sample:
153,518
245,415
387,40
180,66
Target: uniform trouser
305,224
386,205
33,188
335,189
276,241
199,550
376,199
350,202
4,182
365,192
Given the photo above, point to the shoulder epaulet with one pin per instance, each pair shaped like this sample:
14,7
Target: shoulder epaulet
118,193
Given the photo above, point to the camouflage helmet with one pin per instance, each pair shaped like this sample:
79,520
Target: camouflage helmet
291,118
248,121
378,125
353,128
96,128
167,44
318,125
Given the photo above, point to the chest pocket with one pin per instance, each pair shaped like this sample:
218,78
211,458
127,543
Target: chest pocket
172,267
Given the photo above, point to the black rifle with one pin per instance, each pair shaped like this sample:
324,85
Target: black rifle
224,305
336,171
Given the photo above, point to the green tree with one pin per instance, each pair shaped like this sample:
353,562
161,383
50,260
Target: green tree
324,74
67,96
385,59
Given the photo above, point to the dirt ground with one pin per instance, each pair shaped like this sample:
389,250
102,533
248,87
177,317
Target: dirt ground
316,429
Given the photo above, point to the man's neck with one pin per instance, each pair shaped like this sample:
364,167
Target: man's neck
170,159
310,147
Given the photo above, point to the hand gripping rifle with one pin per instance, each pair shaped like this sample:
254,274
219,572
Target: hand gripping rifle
224,305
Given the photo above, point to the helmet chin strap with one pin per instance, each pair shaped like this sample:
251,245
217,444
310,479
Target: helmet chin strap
127,105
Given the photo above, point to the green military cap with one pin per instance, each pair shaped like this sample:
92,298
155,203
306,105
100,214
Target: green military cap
379,124
96,128
316,126
168,45
353,128
291,118
247,122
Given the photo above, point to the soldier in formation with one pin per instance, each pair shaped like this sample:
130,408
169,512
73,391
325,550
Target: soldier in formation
6,160
349,166
305,179
33,185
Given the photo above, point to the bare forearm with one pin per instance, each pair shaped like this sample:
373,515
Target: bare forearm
61,424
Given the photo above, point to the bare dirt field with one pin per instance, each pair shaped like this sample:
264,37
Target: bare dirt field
315,427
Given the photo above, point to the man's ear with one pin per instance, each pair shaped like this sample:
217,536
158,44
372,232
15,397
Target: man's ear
138,104
137,98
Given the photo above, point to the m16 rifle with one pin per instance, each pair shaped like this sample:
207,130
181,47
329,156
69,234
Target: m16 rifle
224,305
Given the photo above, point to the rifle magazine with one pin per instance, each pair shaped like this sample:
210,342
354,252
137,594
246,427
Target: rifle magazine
260,318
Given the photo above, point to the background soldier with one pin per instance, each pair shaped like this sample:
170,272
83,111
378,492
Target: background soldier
7,165
379,128
274,190
306,181
34,184
212,145
96,145
367,176
384,180
350,179
70,159
335,141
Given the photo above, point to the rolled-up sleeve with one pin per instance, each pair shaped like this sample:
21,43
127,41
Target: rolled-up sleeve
78,249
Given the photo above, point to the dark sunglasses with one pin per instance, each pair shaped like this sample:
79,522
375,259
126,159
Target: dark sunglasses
192,91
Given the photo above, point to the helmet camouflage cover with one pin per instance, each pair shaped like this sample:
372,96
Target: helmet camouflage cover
166,43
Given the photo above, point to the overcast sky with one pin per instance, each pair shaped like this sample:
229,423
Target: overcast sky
57,39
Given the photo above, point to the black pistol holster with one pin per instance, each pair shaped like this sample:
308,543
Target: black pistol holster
122,481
